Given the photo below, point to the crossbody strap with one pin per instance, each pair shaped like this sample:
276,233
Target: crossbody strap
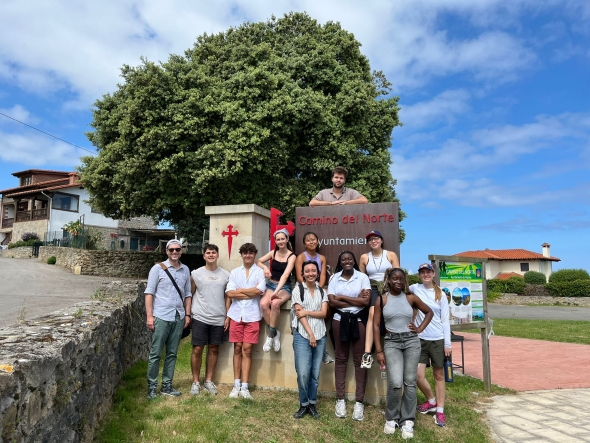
163,266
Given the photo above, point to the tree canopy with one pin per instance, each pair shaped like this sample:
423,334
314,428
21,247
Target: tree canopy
259,114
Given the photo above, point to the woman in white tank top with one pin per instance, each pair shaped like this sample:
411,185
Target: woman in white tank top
374,264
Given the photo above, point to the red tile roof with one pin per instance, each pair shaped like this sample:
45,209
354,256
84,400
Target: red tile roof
507,275
36,171
34,186
506,254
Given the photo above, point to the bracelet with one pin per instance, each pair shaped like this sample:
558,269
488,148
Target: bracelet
379,352
187,315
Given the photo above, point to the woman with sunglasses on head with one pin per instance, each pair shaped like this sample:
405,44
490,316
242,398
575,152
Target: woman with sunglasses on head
278,286
435,341
374,264
309,337
349,292
402,349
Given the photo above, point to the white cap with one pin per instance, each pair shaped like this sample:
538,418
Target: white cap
172,242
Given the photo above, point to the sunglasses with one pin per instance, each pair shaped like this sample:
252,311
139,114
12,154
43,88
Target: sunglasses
175,249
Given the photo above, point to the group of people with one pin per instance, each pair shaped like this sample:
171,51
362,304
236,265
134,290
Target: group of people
367,305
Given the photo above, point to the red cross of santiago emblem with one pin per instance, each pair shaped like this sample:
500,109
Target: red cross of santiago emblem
229,234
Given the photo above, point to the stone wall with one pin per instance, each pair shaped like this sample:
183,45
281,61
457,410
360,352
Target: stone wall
106,263
138,223
536,291
22,252
58,373
39,227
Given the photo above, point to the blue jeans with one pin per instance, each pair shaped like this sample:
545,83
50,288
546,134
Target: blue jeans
402,352
308,361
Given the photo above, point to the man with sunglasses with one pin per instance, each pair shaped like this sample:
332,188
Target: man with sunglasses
168,312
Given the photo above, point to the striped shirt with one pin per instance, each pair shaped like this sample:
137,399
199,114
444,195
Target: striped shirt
309,303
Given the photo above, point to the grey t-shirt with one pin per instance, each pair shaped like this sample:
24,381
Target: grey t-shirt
327,195
397,313
209,298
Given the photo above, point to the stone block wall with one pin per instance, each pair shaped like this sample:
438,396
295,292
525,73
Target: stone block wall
106,263
58,373
22,252
138,223
38,226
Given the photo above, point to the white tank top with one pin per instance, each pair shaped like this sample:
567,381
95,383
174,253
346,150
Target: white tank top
376,266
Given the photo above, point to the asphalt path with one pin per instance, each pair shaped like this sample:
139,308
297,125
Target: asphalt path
40,288
538,312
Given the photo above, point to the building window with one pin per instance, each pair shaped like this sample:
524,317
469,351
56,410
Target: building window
24,181
94,211
524,267
64,202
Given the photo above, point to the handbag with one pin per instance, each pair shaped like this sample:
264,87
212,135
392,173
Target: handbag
185,331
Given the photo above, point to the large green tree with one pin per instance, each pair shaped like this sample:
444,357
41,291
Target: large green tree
258,114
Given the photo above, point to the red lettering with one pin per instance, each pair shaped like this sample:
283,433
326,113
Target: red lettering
390,218
345,219
302,220
366,218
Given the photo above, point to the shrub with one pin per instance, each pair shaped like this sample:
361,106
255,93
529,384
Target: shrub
568,275
29,236
51,260
493,296
535,278
21,243
576,288
514,285
413,279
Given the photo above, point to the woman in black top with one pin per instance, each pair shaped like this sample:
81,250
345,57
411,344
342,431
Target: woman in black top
278,286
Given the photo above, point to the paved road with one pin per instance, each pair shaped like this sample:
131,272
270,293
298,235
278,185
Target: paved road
40,288
538,312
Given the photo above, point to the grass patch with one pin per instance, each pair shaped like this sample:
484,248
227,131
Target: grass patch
563,331
268,418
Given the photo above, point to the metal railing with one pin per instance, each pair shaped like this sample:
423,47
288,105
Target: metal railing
7,222
35,214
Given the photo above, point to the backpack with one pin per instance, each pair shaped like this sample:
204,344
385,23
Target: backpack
292,315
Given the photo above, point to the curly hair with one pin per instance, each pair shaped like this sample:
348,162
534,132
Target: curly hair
387,275
339,266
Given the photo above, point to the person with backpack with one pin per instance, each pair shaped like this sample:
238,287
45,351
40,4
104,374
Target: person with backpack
310,305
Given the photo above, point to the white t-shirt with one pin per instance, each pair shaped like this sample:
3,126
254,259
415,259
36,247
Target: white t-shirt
208,305
439,327
246,310
348,288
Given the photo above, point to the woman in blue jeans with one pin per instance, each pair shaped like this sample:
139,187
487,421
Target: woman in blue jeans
402,349
309,337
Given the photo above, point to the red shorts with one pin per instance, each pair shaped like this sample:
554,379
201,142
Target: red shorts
241,332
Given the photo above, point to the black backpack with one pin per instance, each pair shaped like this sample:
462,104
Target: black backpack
292,313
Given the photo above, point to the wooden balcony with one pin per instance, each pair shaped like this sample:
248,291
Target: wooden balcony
7,222
35,214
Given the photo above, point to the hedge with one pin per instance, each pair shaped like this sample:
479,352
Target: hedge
577,288
568,275
413,279
535,278
514,285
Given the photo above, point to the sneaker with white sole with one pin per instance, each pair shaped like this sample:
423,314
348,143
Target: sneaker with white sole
195,388
245,394
340,408
327,358
167,389
234,392
390,426
440,419
276,342
426,407
210,387
367,361
408,430
267,344
358,413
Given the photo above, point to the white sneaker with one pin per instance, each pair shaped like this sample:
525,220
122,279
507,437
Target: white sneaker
276,342
327,358
210,387
267,344
359,411
367,361
390,426
408,430
340,408
234,392
245,394
195,388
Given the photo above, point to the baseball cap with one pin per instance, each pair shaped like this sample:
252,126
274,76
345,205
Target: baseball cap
373,233
425,266
174,241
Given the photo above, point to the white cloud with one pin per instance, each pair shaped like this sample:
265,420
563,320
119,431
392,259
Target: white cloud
17,112
441,108
37,151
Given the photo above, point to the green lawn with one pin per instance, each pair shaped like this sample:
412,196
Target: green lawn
565,331
269,417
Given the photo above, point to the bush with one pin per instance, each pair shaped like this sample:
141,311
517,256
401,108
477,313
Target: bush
577,288
535,278
514,285
30,236
413,279
21,243
493,296
51,260
568,275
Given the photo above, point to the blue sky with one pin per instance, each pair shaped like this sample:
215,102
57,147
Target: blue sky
495,148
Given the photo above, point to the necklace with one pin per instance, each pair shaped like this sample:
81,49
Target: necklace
380,261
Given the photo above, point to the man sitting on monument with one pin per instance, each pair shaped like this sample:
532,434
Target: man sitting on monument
338,194
246,285
209,321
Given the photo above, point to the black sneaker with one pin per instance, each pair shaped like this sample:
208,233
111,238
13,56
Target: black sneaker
169,390
151,393
302,412
313,411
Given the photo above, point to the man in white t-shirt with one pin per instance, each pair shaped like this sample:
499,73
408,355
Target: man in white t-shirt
209,317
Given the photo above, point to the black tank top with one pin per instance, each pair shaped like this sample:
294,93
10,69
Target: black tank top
277,268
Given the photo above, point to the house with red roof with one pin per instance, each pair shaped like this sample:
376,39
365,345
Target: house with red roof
47,200
505,263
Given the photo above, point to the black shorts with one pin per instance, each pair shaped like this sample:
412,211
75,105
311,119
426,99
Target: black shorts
204,334
433,352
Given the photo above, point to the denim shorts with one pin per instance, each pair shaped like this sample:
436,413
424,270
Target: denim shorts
273,285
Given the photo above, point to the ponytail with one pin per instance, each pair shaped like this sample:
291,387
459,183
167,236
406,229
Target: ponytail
437,292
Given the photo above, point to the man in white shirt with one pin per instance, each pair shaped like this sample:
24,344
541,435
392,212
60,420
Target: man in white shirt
246,285
209,317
